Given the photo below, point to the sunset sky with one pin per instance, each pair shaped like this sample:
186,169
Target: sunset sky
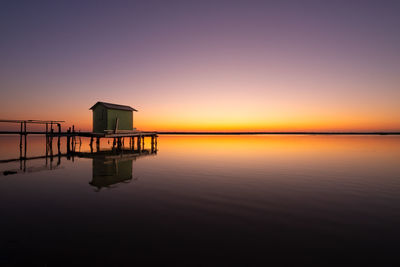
204,65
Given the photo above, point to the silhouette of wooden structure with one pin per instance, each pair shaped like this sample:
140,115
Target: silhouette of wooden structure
118,125
112,118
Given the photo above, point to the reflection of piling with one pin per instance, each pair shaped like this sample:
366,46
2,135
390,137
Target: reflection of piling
59,159
68,140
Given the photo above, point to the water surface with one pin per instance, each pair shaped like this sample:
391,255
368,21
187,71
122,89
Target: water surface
205,200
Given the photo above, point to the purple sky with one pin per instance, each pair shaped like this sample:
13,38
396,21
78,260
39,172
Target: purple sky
204,64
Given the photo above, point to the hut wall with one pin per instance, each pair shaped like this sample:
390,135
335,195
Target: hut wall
99,119
125,121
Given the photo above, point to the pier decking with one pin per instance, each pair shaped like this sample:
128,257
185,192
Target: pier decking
134,136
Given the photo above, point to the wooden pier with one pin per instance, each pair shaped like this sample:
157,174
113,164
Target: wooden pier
119,137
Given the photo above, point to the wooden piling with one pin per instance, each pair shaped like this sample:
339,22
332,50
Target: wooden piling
138,143
20,141
25,140
98,144
68,140
59,137
47,133
51,138
73,138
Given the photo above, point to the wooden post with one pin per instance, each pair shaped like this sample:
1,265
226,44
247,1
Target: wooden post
51,144
20,142
25,141
73,138
119,142
51,138
25,147
47,149
143,143
98,144
138,143
68,140
47,142
152,143
59,137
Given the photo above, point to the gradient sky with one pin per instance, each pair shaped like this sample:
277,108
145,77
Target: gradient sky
204,65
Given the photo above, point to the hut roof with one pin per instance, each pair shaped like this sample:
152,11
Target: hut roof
113,106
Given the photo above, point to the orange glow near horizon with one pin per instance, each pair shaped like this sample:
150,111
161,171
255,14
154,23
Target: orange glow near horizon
235,122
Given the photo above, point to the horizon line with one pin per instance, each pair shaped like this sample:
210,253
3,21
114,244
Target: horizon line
279,132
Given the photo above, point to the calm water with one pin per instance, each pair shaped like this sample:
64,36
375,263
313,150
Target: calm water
205,200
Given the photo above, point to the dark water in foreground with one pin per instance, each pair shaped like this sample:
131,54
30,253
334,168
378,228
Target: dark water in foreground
206,200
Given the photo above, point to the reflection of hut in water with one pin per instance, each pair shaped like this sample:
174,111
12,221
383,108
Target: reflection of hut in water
107,172
113,166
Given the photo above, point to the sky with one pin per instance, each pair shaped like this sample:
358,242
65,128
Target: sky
204,65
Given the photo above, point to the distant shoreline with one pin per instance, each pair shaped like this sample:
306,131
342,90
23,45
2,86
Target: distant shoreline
277,133
3,133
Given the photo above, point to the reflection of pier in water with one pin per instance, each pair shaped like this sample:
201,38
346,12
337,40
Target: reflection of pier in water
109,167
